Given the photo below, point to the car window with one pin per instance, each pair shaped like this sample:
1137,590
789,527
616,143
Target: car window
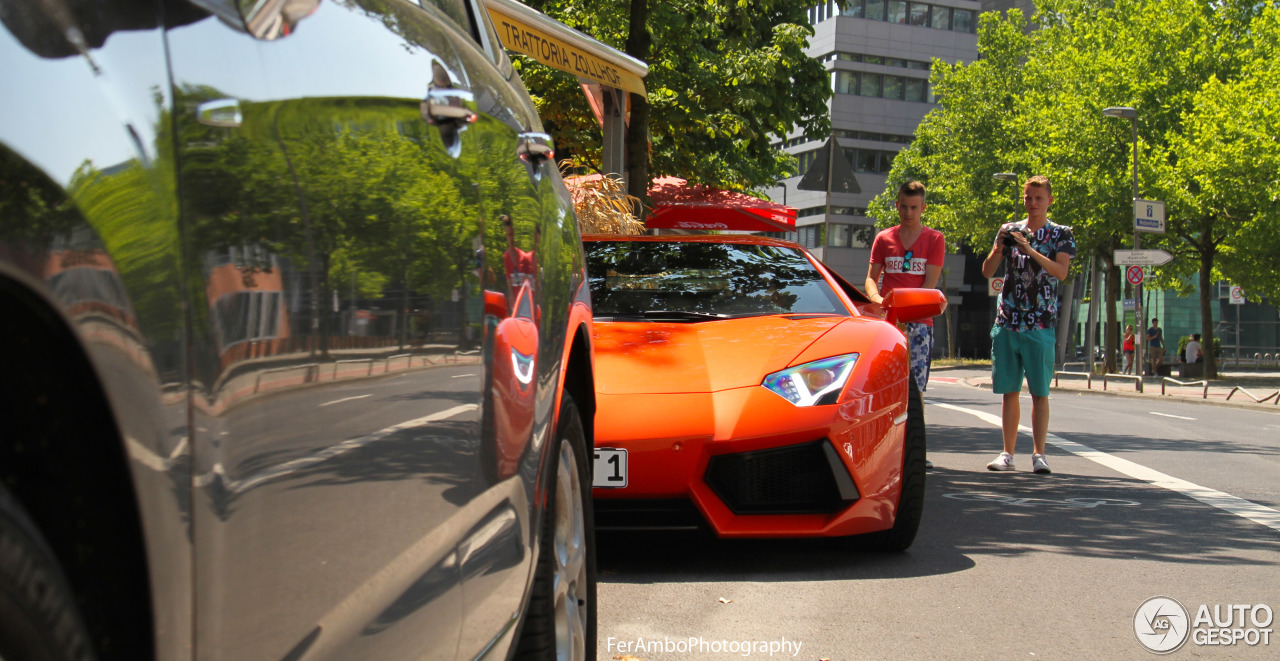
456,10
633,277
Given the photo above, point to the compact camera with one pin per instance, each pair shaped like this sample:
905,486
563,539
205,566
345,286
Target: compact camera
1008,238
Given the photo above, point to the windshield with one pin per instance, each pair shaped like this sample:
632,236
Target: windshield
632,278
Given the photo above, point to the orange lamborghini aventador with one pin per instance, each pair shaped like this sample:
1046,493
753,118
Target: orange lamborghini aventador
742,385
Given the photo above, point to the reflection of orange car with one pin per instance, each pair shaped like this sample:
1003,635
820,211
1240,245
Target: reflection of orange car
515,348
742,385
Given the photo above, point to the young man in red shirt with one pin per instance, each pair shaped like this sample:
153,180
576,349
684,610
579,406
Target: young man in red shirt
909,255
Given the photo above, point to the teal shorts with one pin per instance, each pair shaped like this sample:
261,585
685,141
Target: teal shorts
1014,354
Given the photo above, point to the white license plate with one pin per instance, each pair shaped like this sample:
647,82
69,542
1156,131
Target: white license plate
610,468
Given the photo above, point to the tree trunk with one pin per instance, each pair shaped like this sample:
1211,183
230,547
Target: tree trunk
1066,302
1207,299
404,307
638,44
1110,335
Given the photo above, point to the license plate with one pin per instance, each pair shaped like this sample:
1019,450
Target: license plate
610,468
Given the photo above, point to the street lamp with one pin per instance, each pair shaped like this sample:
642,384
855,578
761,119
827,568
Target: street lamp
1010,176
1131,114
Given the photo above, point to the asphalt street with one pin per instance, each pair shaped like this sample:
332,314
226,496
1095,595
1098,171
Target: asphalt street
1148,498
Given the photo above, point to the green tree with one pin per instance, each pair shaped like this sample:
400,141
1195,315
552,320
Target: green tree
727,79
1032,105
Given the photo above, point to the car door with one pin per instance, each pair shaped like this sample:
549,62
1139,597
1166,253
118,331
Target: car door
333,220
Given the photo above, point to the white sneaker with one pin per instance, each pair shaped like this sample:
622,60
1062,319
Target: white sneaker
1039,465
1002,463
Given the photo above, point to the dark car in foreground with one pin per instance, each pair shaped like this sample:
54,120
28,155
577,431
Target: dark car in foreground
271,387
745,388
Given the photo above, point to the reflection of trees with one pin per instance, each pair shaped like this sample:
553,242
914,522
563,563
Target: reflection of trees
357,189
716,278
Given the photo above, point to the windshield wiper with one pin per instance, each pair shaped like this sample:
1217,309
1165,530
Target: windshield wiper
683,314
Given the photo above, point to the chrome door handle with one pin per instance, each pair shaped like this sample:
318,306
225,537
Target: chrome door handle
224,113
447,104
534,148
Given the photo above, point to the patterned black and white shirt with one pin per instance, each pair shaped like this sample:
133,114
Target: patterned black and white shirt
1029,298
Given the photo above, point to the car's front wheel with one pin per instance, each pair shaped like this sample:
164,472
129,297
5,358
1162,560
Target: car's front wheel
906,521
38,617
561,619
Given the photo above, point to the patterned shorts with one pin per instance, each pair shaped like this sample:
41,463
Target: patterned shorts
920,343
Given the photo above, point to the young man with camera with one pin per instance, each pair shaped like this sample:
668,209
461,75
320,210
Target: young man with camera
1037,254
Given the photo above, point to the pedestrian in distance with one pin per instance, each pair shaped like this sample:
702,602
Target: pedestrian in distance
909,255
1127,348
1194,353
1155,346
1036,253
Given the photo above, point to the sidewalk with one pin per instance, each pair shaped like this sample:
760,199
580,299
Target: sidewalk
1262,385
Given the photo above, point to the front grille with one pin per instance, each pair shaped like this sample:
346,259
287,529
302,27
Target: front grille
796,479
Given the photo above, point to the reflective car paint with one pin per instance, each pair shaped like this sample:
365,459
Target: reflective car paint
705,380
287,327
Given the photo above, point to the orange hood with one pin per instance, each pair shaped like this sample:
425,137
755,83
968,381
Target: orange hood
648,357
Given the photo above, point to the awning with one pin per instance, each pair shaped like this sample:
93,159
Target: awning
677,205
529,31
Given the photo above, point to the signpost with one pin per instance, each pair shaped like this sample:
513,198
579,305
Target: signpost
1148,216
1236,297
1136,259
1151,257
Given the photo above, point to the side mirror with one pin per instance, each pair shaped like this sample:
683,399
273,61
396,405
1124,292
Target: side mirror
495,304
906,305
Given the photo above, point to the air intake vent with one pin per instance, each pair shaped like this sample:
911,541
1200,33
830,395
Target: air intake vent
797,479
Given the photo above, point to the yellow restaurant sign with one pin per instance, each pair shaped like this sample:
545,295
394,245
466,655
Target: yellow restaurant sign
551,50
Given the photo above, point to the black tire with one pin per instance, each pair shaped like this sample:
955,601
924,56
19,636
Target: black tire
911,499
38,616
550,630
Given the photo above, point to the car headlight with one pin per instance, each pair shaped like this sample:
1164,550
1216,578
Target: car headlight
816,383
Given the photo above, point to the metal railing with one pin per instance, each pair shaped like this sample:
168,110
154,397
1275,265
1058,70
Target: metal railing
1263,400
1137,380
1088,378
306,377
1204,393
368,372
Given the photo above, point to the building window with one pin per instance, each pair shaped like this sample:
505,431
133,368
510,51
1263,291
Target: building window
875,10
941,19
918,65
919,15
897,11
868,160
892,87
880,87
846,82
810,236
869,84
914,89
851,236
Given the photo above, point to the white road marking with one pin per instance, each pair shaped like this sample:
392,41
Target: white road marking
1221,500
295,465
1170,415
461,376
346,399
